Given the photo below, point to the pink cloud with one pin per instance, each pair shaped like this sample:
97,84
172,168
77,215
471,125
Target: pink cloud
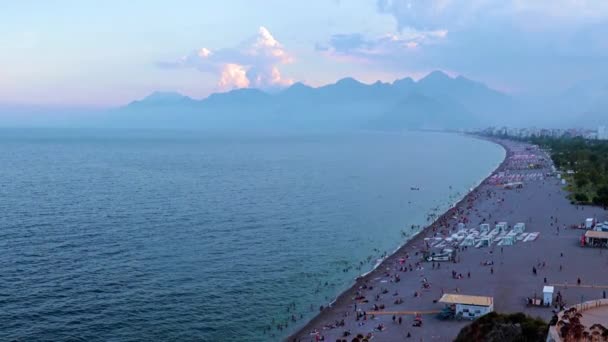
233,76
253,63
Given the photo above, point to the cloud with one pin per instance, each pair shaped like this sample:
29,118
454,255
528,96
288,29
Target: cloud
233,76
523,44
450,14
253,63
387,49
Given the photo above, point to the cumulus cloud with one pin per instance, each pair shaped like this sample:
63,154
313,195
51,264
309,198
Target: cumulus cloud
253,63
233,76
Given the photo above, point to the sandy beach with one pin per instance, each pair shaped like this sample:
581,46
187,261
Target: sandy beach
556,255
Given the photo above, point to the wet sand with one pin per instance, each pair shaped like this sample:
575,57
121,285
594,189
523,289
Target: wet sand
541,204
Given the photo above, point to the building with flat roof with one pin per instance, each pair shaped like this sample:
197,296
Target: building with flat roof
470,307
594,238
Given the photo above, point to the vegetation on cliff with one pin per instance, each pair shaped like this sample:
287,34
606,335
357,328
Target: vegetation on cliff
495,327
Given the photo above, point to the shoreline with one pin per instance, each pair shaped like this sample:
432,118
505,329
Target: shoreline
416,238
546,252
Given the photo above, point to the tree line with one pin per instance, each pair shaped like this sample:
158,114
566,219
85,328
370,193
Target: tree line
587,161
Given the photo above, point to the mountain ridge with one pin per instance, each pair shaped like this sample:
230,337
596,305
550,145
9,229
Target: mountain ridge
435,100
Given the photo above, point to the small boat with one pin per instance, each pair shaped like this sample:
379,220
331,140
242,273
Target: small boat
414,189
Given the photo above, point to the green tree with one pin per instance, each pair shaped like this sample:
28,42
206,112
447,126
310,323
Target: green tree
581,198
601,197
504,328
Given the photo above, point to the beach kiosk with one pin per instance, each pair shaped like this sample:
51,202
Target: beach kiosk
548,295
519,227
468,307
593,238
484,228
484,241
502,227
468,241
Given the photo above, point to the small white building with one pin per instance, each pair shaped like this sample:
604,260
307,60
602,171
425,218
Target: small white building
502,227
593,238
519,227
484,241
484,227
470,307
548,295
468,241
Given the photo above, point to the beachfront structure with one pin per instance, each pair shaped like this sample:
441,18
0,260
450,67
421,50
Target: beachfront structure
593,238
468,241
514,185
548,295
519,227
484,227
470,307
445,254
484,241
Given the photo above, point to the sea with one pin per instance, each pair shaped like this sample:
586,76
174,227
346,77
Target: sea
122,235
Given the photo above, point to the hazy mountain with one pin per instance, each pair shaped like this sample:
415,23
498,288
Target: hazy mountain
583,105
163,99
437,101
587,103
487,105
418,111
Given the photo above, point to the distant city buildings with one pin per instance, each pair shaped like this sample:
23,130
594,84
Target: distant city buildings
601,132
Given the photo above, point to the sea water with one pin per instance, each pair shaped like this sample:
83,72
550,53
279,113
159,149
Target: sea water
134,235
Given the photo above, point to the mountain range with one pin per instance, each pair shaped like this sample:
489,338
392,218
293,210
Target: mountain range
436,101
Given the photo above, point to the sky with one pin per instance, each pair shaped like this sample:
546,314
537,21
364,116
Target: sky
79,53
